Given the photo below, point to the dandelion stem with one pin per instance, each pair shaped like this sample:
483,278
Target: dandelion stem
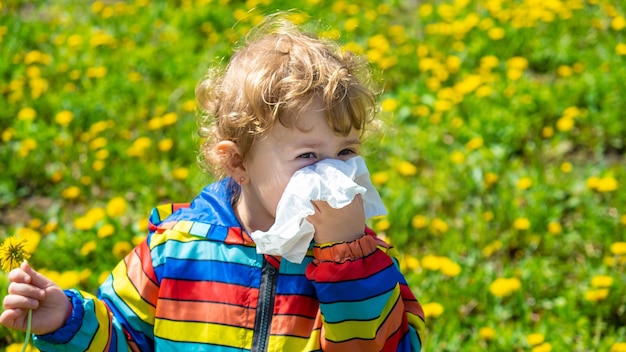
28,324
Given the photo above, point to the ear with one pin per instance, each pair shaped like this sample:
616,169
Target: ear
231,159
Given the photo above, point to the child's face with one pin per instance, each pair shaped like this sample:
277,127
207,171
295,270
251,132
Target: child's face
275,158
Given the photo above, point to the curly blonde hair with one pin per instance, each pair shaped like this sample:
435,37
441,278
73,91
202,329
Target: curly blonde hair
276,77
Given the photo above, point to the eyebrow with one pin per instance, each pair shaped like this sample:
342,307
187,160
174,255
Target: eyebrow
351,141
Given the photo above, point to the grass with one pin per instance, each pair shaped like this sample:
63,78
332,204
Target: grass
500,155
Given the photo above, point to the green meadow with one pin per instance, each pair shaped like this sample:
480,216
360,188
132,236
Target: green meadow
499,148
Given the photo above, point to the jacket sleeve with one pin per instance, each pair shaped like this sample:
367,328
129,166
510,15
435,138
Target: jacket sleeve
121,318
365,302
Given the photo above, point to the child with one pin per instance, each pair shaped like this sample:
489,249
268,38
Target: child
285,101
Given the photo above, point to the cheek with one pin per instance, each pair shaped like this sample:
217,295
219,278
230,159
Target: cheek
272,191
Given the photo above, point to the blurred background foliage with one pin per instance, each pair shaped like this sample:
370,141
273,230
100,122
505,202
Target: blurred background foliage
500,152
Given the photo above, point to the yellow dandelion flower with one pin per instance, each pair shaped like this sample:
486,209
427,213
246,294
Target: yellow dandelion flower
565,124
601,281
521,224
134,77
496,33
623,219
18,347
411,263
26,146
544,347
166,144
8,134
547,132
431,262
564,71
450,268
116,207
488,62
68,279
96,72
453,64
64,118
555,227
524,183
26,114
84,275
189,105
572,112
71,192
31,238
457,157
618,23
487,333
169,119
432,309
535,339
382,225
351,24
596,295
136,240
503,287
389,105
106,230
517,62
98,165
566,167
98,143
490,179
121,249
620,49
592,182
88,247
484,91
405,168
13,253
607,184
474,143
102,154
380,178
514,74
34,223
419,221
95,214
618,248
438,227
83,223
488,216
143,224
155,123
608,261
425,10
180,173
139,146
618,347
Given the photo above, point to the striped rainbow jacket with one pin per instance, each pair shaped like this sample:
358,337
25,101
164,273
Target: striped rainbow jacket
197,284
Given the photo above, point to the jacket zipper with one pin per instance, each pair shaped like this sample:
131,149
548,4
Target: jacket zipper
265,307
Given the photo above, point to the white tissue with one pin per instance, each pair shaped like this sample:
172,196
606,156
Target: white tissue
334,181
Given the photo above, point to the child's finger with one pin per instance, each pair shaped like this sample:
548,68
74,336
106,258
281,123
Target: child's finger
19,302
36,279
13,318
26,290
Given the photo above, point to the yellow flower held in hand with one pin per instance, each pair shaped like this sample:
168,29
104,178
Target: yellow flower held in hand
13,253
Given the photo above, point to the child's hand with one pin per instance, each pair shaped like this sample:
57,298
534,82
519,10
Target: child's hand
334,225
30,290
